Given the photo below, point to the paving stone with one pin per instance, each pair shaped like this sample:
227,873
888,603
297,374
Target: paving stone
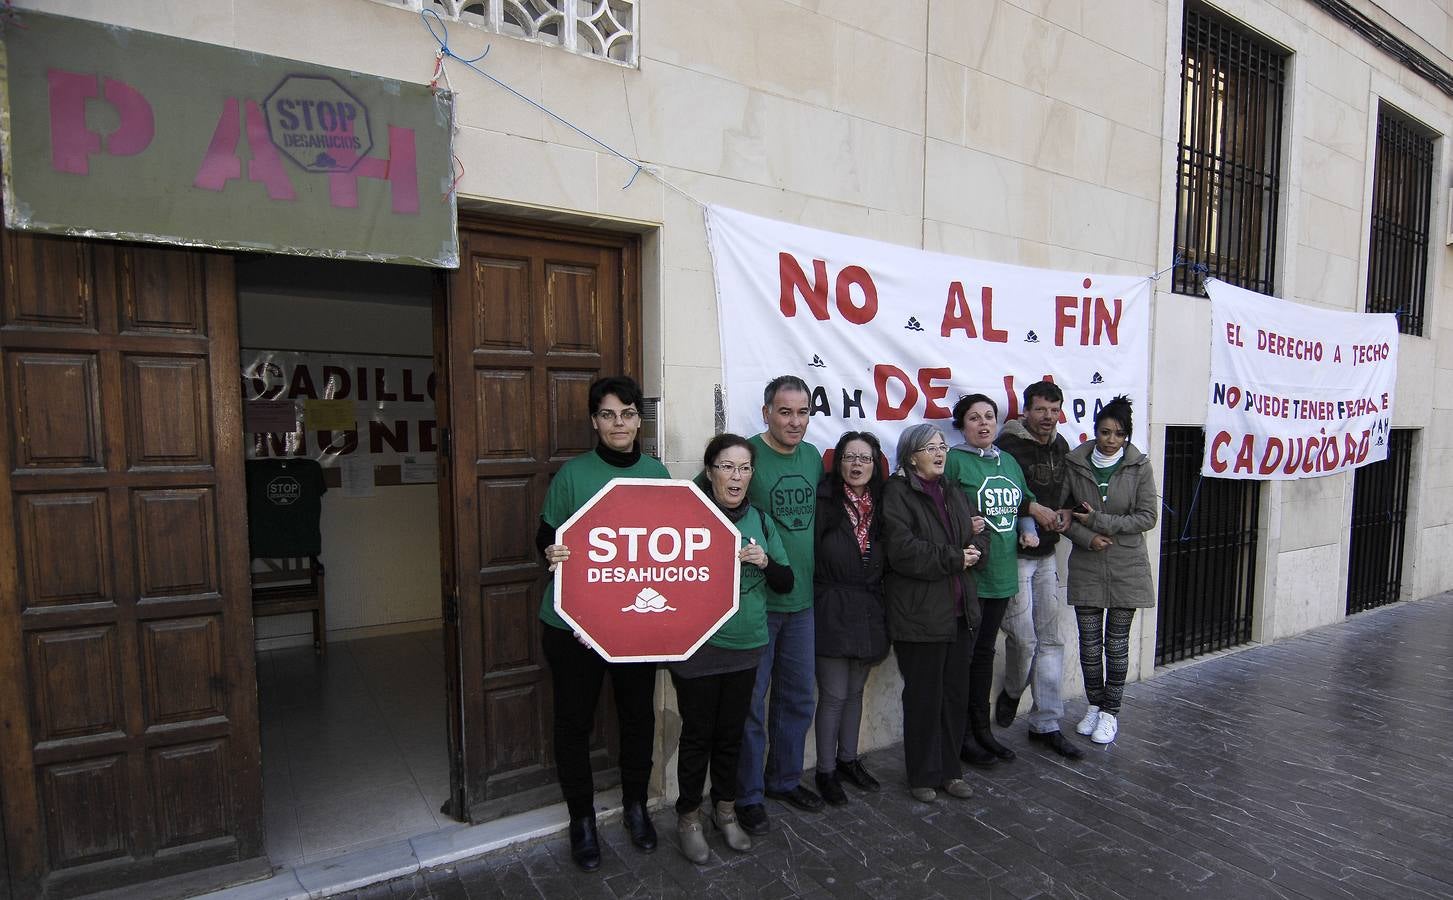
1317,767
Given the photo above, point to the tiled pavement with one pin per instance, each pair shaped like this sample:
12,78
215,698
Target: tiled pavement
1321,766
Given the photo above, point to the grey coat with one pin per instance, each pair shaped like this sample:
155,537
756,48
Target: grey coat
1118,576
924,561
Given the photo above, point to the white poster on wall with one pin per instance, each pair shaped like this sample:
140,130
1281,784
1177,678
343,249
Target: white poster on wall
340,406
1296,391
889,336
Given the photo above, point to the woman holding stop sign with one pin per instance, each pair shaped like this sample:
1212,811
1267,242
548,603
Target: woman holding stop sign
714,686
576,670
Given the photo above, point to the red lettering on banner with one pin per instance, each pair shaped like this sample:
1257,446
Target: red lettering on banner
792,281
957,315
400,170
221,163
991,334
1064,317
1218,443
932,393
1090,315
886,411
72,143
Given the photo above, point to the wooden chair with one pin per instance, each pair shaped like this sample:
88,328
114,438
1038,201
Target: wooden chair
292,585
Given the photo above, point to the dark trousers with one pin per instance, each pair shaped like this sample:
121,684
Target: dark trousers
935,681
713,713
577,672
981,668
1104,654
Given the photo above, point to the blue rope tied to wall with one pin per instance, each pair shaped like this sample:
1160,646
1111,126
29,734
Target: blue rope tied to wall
441,37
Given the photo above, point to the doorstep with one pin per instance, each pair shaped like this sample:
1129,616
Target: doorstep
401,858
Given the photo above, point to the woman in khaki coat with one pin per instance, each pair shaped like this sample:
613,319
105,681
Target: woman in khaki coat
1114,503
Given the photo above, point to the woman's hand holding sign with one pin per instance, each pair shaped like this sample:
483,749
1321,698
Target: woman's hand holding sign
556,554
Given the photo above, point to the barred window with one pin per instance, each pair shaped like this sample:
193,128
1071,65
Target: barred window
1228,172
1402,193
604,29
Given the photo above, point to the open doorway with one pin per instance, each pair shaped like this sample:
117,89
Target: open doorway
352,695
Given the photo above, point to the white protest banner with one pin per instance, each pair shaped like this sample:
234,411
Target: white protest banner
1296,392
889,336
383,406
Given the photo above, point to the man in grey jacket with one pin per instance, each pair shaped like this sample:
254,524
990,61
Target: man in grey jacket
1033,628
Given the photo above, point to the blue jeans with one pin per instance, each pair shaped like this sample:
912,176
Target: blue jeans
1034,644
787,666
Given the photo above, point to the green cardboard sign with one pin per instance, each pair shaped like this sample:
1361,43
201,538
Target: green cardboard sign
115,133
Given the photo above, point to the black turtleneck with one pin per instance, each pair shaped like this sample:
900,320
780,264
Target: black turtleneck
621,459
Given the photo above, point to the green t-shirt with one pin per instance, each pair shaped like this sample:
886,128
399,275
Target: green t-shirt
784,486
1103,476
574,485
998,489
747,629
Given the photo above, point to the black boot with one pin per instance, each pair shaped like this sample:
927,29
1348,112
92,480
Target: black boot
831,788
638,825
584,842
984,737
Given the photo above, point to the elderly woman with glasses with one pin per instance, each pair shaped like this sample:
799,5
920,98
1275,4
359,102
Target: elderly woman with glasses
933,608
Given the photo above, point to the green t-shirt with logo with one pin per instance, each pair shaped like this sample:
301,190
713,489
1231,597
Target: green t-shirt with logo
997,487
747,629
784,486
573,486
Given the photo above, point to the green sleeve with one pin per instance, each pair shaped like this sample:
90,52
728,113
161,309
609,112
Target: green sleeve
775,549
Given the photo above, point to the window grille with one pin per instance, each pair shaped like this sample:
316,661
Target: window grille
1208,536
1379,526
605,29
1228,171
1402,193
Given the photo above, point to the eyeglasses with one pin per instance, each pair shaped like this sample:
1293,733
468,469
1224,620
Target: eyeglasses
933,448
626,415
857,457
728,470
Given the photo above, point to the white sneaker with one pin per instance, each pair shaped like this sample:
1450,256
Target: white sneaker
1088,723
1105,729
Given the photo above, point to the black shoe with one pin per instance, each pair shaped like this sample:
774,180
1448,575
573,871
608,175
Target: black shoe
977,756
584,843
984,737
831,788
638,826
1005,708
857,775
798,796
1056,742
753,819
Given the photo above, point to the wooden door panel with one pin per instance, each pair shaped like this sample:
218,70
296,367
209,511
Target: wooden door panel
168,422
161,291
61,660
125,625
55,410
61,271
533,319
75,527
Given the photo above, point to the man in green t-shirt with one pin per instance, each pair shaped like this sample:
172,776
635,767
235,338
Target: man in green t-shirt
785,488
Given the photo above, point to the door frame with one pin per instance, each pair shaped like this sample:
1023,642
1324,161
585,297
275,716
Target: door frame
464,654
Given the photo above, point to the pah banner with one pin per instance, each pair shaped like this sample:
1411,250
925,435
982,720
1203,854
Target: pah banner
335,406
113,133
888,336
1296,392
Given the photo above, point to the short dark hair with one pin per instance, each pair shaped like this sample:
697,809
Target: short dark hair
1045,390
725,441
781,383
1117,409
623,387
961,408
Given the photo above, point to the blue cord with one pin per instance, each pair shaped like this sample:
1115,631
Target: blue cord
441,37
1196,495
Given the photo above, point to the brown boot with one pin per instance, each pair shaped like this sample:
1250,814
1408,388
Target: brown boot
725,819
691,838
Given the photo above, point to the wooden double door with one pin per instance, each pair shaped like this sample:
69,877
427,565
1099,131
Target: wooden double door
129,744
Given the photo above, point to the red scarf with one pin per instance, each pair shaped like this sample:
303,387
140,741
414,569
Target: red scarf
860,511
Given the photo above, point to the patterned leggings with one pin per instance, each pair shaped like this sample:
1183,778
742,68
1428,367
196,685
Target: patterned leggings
1104,654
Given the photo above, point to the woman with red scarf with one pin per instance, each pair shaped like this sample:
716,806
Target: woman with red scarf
851,624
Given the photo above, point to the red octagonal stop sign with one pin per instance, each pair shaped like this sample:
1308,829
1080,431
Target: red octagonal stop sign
653,570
